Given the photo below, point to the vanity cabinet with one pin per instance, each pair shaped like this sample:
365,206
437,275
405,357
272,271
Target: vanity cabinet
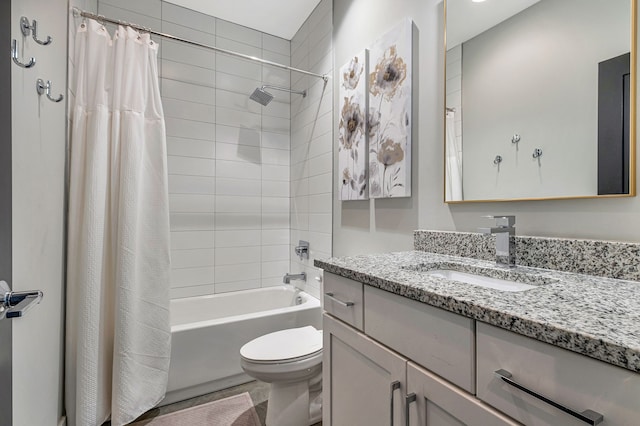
433,401
363,382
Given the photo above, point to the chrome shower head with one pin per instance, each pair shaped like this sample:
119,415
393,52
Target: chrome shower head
261,96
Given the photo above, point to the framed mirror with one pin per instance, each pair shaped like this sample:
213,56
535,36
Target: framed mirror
540,99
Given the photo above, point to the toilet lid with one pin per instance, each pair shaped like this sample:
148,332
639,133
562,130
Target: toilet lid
284,344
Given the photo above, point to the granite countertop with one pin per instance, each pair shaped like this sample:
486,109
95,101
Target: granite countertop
594,316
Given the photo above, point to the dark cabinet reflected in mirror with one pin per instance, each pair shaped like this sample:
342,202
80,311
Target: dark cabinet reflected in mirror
540,99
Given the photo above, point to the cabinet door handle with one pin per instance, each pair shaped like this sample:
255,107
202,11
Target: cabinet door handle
338,301
407,402
588,416
394,385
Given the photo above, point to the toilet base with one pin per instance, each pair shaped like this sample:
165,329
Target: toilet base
288,404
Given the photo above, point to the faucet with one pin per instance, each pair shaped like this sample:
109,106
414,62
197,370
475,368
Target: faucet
505,239
288,277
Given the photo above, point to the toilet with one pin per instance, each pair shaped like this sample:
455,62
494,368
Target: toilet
291,361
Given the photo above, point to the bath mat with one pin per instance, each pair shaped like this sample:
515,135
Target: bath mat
235,410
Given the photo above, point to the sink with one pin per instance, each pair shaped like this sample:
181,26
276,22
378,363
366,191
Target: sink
480,280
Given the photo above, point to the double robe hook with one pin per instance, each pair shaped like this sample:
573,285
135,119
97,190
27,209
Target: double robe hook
43,88
33,30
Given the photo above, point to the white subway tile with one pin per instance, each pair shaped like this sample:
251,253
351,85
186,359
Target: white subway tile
237,135
272,188
237,238
320,184
237,204
275,124
246,187
186,54
274,253
321,164
182,15
273,172
239,33
271,281
244,272
237,286
180,221
237,118
320,241
192,276
276,44
237,46
190,129
275,140
234,169
191,166
240,153
187,73
192,291
188,33
238,66
275,156
275,269
234,83
274,237
191,147
191,203
230,221
239,101
192,258
144,7
180,184
320,203
189,110
238,255
320,222
192,240
275,205
175,89
275,220
145,19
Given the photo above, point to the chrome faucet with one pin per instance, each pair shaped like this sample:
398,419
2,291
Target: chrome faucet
505,239
288,277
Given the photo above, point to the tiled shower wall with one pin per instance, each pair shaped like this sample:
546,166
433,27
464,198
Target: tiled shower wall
311,143
229,157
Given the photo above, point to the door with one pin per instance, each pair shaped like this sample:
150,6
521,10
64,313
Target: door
358,379
440,403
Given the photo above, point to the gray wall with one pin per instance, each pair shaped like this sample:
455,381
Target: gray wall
385,225
536,74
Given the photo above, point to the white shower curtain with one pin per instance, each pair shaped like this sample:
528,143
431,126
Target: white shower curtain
118,333
454,161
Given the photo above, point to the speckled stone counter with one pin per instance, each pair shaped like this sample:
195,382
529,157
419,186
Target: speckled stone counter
594,316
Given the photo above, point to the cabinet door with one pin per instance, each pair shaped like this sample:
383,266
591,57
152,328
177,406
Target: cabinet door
440,403
358,374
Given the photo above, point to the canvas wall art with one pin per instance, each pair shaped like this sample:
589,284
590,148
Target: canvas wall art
389,117
352,144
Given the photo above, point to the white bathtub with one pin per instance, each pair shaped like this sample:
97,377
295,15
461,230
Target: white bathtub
208,332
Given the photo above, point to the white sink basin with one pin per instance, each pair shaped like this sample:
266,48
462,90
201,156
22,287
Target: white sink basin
480,280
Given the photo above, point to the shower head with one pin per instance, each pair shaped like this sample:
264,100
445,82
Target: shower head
263,97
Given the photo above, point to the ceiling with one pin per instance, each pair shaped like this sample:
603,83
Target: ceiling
280,18
467,19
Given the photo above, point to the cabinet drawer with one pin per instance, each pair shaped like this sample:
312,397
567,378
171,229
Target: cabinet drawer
438,340
570,379
343,299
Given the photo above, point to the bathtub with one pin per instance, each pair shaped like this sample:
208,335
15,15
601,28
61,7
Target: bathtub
208,331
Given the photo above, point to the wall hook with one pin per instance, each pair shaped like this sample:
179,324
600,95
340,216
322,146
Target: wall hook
537,153
497,160
14,56
32,29
43,88
515,138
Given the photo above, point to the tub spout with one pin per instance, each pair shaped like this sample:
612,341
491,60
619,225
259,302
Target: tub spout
288,277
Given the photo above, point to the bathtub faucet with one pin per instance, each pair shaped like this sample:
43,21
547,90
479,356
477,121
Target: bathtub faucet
288,277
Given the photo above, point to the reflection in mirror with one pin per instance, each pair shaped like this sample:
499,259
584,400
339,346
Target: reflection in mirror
546,86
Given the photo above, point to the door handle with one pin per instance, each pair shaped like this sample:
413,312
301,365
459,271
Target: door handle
14,304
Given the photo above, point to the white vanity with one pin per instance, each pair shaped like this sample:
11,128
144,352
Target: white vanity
405,348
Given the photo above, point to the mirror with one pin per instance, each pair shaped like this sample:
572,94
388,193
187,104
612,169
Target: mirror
540,99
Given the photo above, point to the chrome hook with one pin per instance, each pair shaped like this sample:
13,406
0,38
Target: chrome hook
497,160
43,88
14,56
537,153
33,30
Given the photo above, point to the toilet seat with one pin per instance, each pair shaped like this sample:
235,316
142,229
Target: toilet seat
292,345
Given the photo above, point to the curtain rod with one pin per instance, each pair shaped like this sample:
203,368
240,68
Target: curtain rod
100,18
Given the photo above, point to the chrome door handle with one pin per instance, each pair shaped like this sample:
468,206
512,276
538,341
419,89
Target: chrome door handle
588,416
407,402
394,385
14,304
338,301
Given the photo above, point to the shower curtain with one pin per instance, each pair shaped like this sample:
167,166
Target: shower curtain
118,334
454,161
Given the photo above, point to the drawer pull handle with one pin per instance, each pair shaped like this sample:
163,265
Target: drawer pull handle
394,385
338,301
588,416
407,401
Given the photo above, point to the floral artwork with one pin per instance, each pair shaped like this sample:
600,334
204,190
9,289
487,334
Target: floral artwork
352,147
389,116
